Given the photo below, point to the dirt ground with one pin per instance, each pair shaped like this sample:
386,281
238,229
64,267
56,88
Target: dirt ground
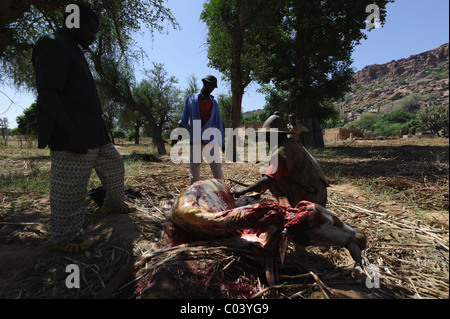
396,191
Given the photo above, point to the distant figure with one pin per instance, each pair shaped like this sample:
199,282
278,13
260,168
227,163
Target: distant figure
204,109
70,122
296,127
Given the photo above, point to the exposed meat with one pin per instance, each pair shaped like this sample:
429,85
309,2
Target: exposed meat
206,210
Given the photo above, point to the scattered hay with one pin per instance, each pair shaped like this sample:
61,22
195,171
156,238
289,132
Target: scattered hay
411,256
409,251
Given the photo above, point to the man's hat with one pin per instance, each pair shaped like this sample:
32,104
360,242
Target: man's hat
210,79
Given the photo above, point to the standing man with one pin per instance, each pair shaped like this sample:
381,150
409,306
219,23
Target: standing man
201,112
70,123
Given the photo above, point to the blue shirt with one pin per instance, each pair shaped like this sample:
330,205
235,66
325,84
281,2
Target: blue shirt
191,113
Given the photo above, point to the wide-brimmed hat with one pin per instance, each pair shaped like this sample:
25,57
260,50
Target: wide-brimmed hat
276,124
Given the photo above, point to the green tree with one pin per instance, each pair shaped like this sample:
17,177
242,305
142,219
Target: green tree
111,57
308,59
22,22
4,127
131,120
193,86
225,105
159,95
231,43
111,112
434,118
27,122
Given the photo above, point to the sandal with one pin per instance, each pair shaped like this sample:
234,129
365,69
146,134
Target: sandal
75,246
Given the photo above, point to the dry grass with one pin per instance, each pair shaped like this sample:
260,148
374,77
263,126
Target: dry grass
396,191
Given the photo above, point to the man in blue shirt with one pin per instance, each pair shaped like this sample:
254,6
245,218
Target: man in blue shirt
201,113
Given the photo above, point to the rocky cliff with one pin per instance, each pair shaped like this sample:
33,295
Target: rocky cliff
379,88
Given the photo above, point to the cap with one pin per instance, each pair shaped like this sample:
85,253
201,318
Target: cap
210,79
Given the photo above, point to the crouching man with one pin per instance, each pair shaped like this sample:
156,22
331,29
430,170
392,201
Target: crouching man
297,175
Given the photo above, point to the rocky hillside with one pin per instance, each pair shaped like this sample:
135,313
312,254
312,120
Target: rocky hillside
380,88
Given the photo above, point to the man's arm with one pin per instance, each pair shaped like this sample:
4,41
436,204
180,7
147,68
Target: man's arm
261,185
51,103
184,121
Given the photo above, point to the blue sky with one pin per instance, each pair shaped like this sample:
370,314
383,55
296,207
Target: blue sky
412,27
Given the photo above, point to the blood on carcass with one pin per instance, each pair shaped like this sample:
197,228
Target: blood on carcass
207,211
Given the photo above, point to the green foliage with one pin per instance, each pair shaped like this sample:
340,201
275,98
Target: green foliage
387,128
14,131
439,74
233,47
225,103
434,118
306,55
119,133
27,122
111,57
410,103
367,121
399,116
391,124
328,113
120,20
252,118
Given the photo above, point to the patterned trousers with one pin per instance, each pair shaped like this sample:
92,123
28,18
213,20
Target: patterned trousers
69,178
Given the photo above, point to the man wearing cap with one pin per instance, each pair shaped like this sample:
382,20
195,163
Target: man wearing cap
297,176
201,113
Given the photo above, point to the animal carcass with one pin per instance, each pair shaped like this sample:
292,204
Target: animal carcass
206,210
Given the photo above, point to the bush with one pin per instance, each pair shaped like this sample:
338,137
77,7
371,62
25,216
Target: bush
399,117
119,133
387,128
367,121
410,103
391,124
434,118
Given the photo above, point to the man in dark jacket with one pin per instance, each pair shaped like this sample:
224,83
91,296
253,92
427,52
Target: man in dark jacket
70,123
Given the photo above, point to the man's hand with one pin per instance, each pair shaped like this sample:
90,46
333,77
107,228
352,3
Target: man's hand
239,192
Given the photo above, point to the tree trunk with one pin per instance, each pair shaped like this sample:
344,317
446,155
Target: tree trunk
236,79
156,135
314,137
152,127
136,135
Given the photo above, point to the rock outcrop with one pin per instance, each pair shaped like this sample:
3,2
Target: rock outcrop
378,88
